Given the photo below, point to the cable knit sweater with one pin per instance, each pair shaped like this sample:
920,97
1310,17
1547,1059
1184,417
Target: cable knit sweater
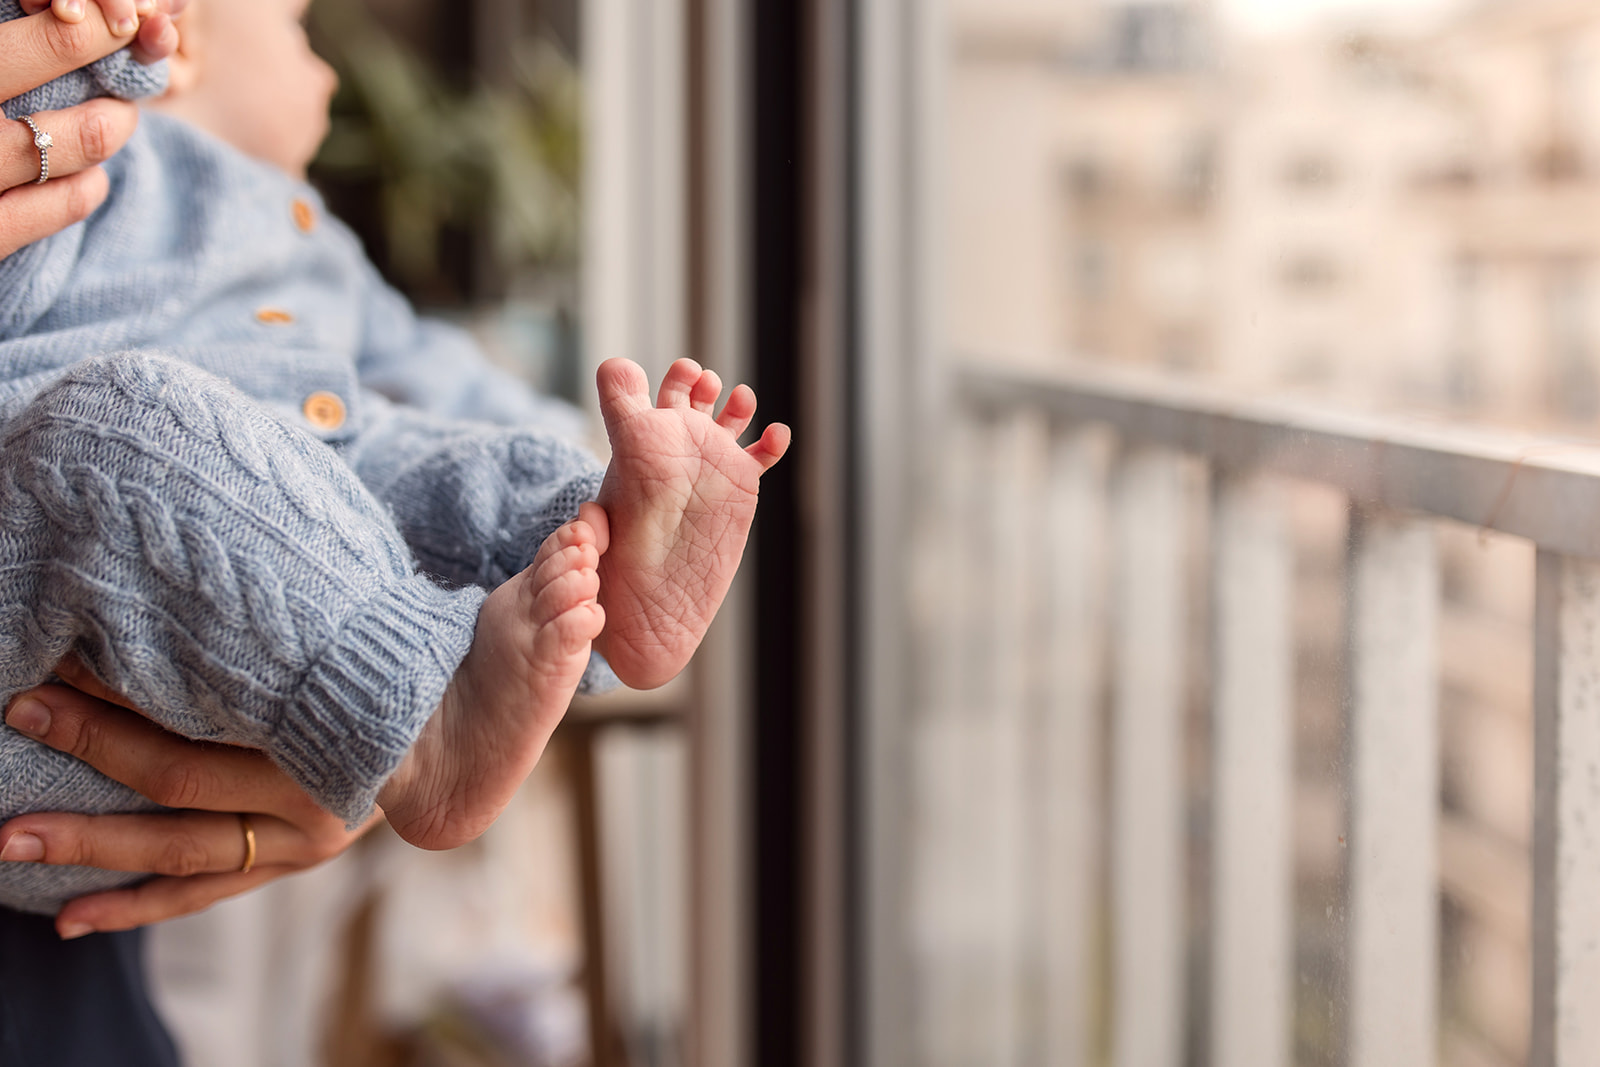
246,483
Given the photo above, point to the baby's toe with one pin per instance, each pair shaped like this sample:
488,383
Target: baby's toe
703,397
586,620
678,384
738,411
771,446
570,633
552,568
599,524
565,591
569,535
623,387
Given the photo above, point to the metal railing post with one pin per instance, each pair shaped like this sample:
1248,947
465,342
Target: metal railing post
1074,625
1252,713
1147,758
1566,834
1393,775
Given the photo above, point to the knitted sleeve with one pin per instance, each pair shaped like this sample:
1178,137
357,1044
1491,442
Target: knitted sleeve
474,501
435,367
226,572
476,467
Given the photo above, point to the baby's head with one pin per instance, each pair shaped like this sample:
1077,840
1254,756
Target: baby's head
246,73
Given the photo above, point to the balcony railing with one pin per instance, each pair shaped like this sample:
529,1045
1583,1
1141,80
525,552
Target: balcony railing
1071,497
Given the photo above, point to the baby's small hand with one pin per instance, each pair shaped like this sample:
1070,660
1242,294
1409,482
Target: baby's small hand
148,22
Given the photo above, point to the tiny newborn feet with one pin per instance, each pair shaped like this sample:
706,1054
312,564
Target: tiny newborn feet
529,653
639,577
680,495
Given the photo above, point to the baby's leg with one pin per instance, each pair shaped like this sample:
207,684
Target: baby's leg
226,572
473,500
681,495
529,653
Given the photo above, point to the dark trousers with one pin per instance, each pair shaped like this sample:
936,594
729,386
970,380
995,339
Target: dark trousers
75,1003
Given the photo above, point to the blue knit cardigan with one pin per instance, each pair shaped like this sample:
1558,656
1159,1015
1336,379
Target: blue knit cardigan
247,484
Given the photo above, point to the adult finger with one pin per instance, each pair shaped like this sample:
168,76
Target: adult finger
122,15
82,136
33,212
75,10
170,770
72,671
179,844
41,47
156,901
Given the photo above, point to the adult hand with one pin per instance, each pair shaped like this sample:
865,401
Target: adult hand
33,51
149,22
199,850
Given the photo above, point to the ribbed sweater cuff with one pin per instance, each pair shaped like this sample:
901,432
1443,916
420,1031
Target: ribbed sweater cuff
366,700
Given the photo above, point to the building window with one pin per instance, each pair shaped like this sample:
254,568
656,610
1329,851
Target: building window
1311,172
1574,392
1088,178
1092,271
1309,272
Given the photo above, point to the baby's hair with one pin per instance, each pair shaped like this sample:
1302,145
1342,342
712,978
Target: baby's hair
118,75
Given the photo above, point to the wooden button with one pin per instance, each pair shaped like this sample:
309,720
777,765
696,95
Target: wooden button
305,216
274,316
324,410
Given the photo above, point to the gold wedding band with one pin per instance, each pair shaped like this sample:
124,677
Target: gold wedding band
249,843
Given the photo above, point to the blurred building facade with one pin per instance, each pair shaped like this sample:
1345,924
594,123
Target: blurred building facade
1390,215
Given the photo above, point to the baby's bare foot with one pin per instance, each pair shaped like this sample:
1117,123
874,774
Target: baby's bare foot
528,655
680,494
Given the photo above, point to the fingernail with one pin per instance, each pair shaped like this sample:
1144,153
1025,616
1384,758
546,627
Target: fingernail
22,848
29,717
125,27
145,7
69,931
72,9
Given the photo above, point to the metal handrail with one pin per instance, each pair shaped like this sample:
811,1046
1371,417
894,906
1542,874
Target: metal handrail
1543,488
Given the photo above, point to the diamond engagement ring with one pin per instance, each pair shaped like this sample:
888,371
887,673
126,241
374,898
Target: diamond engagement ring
42,142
